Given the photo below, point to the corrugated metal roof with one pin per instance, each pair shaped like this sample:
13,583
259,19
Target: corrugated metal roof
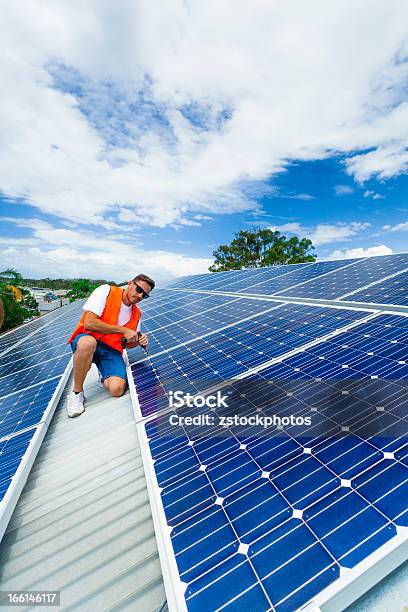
389,595
83,523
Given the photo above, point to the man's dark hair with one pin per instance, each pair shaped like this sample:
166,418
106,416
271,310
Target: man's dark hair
146,279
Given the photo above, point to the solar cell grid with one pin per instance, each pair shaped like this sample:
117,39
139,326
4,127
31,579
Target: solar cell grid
168,301
9,338
290,509
186,281
182,308
25,408
231,280
245,280
22,357
348,278
240,280
300,274
33,374
391,291
202,324
45,336
11,452
293,488
222,355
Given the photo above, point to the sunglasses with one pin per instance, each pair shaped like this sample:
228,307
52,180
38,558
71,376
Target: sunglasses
141,291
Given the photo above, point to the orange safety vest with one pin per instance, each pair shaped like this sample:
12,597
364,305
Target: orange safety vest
110,315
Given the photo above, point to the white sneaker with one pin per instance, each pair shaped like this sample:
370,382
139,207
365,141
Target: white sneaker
75,405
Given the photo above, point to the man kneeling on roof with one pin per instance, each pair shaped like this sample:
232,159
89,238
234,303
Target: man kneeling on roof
110,314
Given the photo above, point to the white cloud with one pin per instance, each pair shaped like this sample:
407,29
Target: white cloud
294,228
341,190
297,196
373,195
203,218
382,249
268,86
382,163
68,253
325,233
399,227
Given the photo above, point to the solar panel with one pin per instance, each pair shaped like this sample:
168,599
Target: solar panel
33,374
12,451
338,279
232,351
167,302
393,291
176,308
23,357
231,280
273,518
10,338
302,274
25,408
246,279
348,278
201,323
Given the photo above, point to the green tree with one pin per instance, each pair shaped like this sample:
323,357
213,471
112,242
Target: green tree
29,302
260,247
2,313
81,288
16,311
12,277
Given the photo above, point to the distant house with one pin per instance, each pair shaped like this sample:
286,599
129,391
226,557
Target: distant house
47,300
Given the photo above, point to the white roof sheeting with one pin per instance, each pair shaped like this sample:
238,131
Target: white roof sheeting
83,523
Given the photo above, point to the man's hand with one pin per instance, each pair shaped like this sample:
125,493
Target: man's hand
143,341
130,335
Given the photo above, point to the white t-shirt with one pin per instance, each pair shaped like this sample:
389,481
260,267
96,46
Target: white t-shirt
96,304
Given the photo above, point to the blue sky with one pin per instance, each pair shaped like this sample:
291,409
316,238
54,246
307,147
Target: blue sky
135,139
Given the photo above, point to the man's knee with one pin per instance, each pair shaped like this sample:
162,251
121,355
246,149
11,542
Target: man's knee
115,385
86,345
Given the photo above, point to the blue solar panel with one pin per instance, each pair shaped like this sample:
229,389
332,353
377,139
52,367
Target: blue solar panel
46,337
211,282
349,278
268,519
12,452
233,513
236,280
25,408
391,291
320,280
171,302
300,274
23,357
200,324
246,279
186,306
224,354
34,374
9,339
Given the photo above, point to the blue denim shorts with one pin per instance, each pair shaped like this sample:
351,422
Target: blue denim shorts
108,361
